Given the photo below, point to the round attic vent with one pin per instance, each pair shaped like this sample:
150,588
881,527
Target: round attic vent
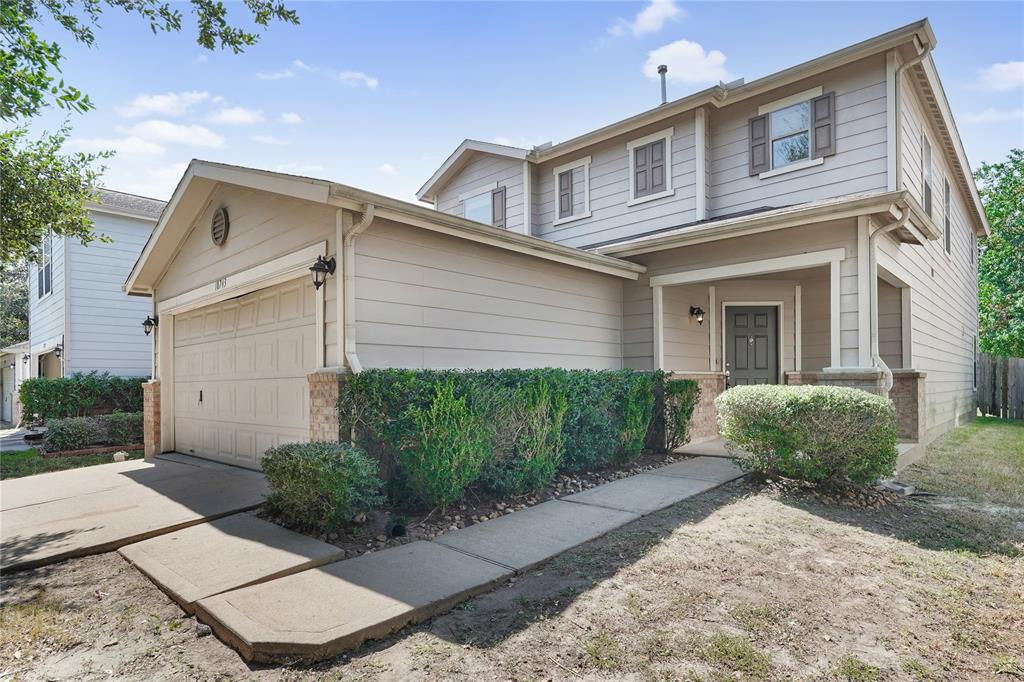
219,226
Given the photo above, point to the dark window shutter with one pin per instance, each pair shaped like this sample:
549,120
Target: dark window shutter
759,159
657,160
823,126
641,172
48,280
928,198
565,194
498,207
39,281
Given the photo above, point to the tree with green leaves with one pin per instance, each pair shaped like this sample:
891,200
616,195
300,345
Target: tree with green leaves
42,189
13,303
1001,263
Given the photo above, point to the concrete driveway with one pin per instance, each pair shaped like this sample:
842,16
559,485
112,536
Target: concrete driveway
51,517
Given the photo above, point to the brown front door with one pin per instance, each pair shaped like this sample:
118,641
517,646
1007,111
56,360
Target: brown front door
751,345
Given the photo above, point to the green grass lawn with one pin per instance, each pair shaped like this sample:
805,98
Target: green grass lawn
29,462
982,461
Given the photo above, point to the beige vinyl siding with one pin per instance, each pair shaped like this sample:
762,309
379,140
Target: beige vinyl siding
610,217
428,300
858,166
890,324
483,169
944,309
687,343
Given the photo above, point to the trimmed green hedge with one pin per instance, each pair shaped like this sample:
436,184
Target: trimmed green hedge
78,433
436,432
79,395
814,433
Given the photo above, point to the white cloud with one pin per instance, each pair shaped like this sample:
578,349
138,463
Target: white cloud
991,115
357,78
688,62
125,146
202,59
387,169
296,168
153,181
165,131
299,64
1001,77
268,139
236,116
274,75
650,19
167,104
291,118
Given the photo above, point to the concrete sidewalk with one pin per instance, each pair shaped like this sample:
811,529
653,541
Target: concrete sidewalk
55,516
322,611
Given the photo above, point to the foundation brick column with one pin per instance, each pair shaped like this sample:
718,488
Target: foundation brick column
323,405
909,397
151,417
704,424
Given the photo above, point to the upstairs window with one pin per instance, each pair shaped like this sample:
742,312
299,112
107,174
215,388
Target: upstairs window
945,212
926,174
485,205
44,272
792,133
572,191
650,167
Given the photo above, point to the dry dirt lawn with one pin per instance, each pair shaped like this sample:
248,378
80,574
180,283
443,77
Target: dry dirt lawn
746,582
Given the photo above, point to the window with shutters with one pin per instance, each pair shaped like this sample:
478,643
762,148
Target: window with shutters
44,270
946,220
650,167
926,174
485,205
572,191
794,132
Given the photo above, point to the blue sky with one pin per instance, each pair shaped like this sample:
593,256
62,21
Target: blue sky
378,94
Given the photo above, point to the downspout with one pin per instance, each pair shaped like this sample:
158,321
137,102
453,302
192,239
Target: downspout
876,358
349,284
922,51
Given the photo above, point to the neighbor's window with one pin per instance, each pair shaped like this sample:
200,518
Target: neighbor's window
487,206
44,272
791,134
572,183
945,212
926,173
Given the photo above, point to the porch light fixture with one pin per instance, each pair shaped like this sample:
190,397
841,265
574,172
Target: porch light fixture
58,350
149,323
10,366
321,268
25,358
698,312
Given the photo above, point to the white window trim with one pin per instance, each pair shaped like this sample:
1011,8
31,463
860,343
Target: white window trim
583,163
489,187
796,98
39,267
789,168
647,139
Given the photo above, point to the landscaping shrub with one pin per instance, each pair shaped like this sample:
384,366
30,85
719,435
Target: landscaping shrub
321,485
79,395
637,411
73,433
679,399
533,420
814,433
447,449
78,433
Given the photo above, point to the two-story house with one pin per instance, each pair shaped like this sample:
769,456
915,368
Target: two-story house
79,317
817,225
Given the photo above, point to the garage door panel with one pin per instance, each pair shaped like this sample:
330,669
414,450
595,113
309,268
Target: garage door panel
240,371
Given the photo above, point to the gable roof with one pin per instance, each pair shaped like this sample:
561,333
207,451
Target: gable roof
458,158
201,177
123,203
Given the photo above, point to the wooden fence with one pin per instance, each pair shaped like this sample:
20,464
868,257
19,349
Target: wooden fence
1001,386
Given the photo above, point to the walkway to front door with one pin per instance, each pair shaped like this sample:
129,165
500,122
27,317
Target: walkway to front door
751,345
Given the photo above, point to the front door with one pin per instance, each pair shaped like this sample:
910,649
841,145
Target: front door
751,345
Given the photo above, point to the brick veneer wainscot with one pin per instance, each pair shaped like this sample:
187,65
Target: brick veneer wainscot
323,405
704,424
151,417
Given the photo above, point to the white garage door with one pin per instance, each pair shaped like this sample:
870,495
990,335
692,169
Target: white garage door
240,371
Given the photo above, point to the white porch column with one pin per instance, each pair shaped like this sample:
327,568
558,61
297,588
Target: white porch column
864,284
834,329
659,329
712,330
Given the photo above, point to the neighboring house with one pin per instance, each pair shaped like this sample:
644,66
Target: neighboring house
814,226
13,370
79,317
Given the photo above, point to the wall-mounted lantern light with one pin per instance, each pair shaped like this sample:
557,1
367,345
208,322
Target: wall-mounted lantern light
321,268
58,350
149,324
25,358
698,312
10,366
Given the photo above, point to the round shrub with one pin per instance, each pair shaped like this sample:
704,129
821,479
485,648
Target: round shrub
73,433
814,433
321,485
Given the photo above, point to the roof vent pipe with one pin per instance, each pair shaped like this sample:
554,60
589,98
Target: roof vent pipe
662,70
